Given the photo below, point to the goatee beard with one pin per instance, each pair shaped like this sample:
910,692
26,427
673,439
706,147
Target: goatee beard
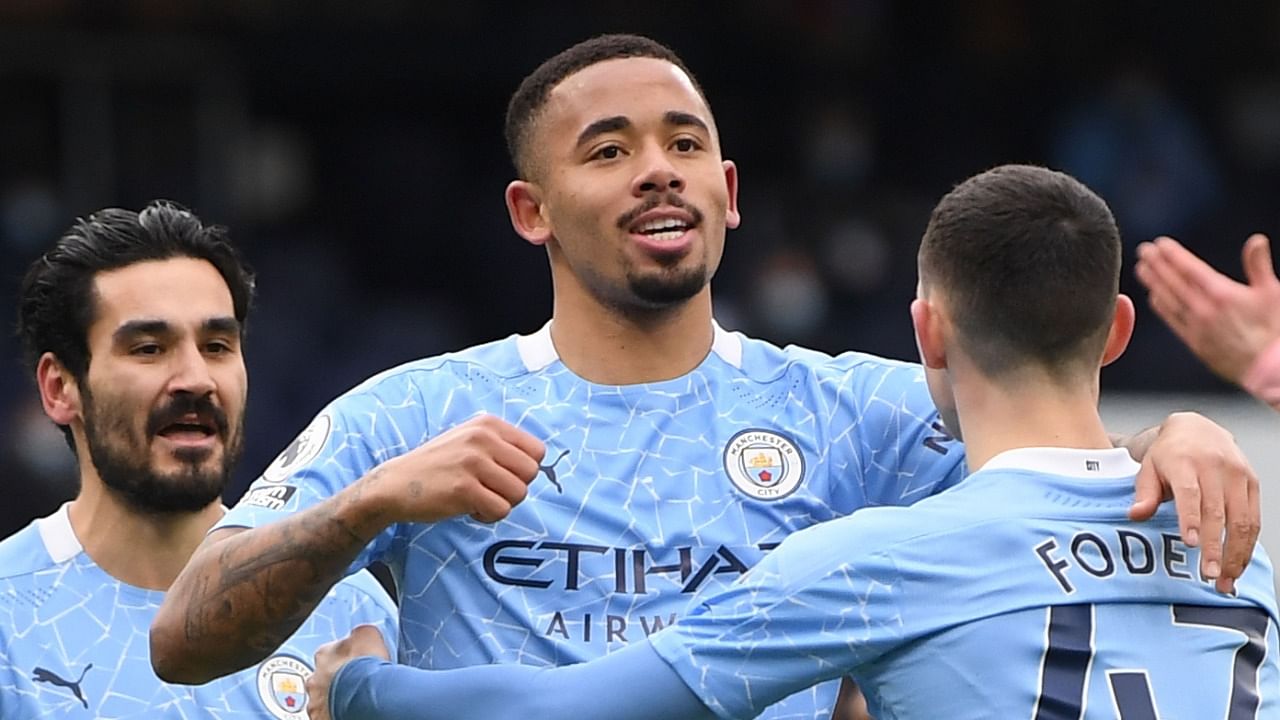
661,290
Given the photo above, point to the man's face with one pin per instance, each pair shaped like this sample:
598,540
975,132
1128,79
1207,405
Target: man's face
163,400
633,188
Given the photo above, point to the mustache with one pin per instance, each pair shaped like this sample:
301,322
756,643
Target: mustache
186,404
669,198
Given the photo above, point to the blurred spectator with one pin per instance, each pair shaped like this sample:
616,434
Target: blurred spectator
1138,146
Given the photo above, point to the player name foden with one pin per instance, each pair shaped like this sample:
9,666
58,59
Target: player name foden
1122,551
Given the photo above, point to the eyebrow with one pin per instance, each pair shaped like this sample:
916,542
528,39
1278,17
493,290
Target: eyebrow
602,126
615,123
681,119
221,324
133,328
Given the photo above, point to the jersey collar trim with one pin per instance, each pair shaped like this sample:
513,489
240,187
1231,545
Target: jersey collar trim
537,351
1069,462
58,537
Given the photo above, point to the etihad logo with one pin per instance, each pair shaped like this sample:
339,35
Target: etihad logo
569,567
763,464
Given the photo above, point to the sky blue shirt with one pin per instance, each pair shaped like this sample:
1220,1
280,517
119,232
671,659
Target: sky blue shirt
74,641
1023,593
650,494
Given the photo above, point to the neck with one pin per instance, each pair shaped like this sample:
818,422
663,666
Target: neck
605,346
143,550
1025,412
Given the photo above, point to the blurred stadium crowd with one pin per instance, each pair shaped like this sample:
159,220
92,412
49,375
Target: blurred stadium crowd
355,151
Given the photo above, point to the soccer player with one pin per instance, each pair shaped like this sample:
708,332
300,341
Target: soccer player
1022,593
660,455
133,324
1233,327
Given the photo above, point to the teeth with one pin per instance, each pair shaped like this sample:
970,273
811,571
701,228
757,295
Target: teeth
667,236
663,225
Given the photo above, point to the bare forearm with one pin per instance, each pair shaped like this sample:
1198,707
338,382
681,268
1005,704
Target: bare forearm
245,591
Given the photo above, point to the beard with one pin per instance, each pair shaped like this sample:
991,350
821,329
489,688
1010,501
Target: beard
669,286
122,456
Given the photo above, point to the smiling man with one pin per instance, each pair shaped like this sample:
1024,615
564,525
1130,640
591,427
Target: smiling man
132,324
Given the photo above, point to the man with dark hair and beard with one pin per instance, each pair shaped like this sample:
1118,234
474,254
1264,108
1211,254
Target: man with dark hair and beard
132,324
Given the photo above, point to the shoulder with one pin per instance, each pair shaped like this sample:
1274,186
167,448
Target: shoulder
890,530
25,552
477,368
765,361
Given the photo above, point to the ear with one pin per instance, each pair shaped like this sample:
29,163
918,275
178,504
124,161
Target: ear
930,334
524,205
59,391
1121,330
732,218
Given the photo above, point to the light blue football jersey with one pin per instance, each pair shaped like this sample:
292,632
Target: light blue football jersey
74,641
650,494
1023,593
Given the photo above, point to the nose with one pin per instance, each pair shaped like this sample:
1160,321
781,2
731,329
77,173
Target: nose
657,174
191,372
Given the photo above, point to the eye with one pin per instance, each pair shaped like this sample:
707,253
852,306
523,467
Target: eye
217,347
146,349
608,152
687,144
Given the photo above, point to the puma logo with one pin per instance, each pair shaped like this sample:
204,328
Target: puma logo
48,676
550,470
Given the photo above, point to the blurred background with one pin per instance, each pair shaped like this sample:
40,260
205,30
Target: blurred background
355,150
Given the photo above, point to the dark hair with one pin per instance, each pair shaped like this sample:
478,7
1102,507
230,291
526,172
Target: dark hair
57,302
529,99
1028,260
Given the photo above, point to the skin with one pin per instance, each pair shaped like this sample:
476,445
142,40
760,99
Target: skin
1028,407
621,142
162,330
1227,324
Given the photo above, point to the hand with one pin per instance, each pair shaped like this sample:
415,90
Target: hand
364,640
1225,323
1197,463
480,468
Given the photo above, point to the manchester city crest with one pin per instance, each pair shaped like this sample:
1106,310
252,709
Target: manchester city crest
282,687
763,464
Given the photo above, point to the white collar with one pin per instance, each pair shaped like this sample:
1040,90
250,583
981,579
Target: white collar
1070,462
537,351
59,538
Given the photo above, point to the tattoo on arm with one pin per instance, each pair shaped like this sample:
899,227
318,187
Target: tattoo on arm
260,585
